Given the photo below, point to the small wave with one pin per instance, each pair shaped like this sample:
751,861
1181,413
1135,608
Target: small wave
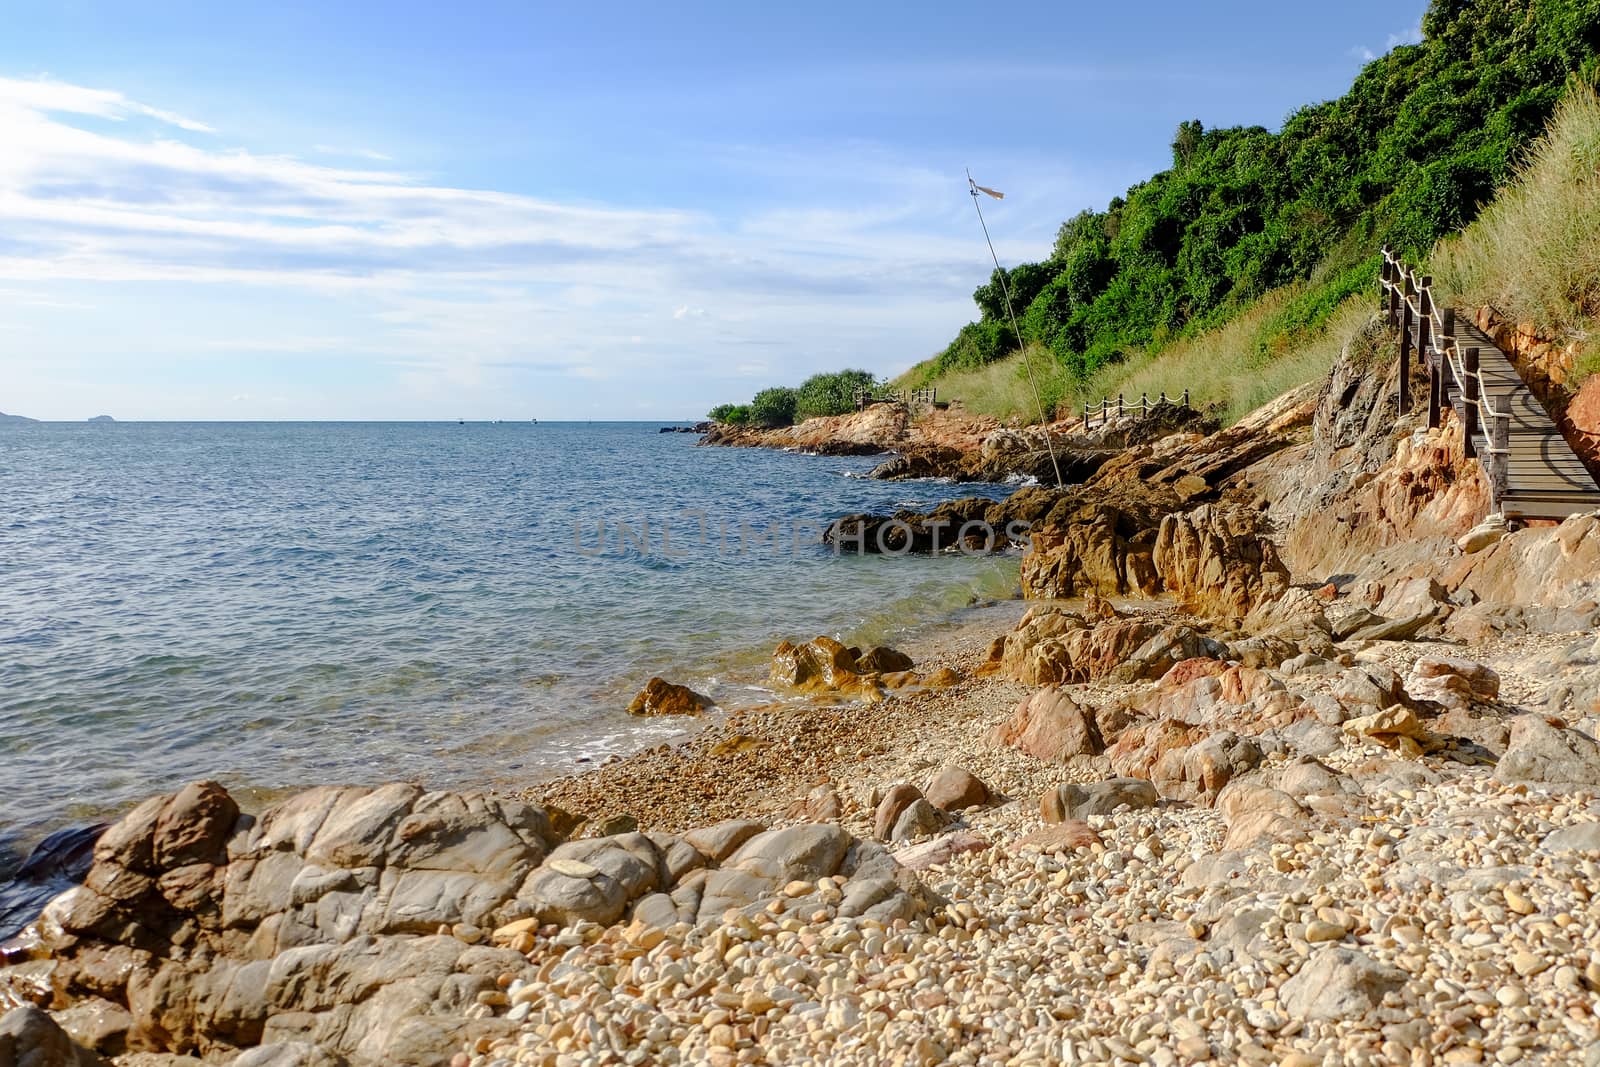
1024,481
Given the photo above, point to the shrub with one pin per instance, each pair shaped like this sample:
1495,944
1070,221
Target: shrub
830,394
773,407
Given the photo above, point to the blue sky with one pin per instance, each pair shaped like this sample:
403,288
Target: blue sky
421,210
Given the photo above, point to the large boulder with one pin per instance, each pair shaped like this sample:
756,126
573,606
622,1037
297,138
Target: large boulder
1542,751
1051,726
955,788
822,665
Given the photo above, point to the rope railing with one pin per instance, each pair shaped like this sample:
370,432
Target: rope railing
1430,332
1125,407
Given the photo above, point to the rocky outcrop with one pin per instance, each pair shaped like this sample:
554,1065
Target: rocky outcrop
1218,561
1054,646
364,923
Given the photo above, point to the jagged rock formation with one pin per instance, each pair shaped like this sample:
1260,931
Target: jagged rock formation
364,923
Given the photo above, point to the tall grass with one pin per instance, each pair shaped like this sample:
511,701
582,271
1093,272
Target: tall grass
1534,253
1236,367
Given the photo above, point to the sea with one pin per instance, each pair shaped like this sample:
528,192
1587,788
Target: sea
276,605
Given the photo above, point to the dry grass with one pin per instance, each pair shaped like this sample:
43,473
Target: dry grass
1222,367
1534,253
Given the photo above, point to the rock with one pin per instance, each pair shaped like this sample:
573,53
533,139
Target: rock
891,807
1069,836
1483,535
1072,801
1397,728
954,789
919,819
822,804
1583,837
1455,683
820,665
1395,629
1412,597
721,840
881,660
1051,726
1338,984
661,697
940,850
1218,561
1540,751
289,1054
30,1038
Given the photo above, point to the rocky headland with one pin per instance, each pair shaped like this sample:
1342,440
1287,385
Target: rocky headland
1288,758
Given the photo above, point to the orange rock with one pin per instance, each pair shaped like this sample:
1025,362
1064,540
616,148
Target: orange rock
1069,836
661,697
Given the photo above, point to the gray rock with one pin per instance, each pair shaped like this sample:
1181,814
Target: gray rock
30,1038
1540,752
1396,629
1338,984
918,820
1582,837
568,898
1074,801
721,840
1311,737
805,852
289,1054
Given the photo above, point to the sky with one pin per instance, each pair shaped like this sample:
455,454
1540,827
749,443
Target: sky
417,210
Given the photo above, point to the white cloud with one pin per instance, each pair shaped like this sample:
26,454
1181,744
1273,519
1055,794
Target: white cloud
47,96
447,287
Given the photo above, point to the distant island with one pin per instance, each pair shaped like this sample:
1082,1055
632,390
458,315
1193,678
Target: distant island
102,418
14,420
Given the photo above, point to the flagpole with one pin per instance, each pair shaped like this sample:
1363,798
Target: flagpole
1027,362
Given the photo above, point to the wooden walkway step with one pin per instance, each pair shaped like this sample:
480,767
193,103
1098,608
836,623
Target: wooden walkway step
1532,471
1544,477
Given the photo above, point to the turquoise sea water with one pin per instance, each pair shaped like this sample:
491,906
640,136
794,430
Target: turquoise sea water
277,605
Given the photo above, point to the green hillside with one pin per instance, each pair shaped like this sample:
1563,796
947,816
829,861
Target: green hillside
1269,235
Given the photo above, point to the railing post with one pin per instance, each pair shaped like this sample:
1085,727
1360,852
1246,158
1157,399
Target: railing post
1425,346
1405,343
1186,398
1470,390
1119,406
1502,457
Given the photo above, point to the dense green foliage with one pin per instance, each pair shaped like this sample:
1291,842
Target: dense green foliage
820,394
774,407
1409,154
831,394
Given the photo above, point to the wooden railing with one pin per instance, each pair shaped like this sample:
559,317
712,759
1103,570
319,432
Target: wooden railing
926,395
1429,332
1122,407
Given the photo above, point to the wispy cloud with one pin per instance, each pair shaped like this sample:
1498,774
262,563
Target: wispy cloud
46,95
1410,35
463,286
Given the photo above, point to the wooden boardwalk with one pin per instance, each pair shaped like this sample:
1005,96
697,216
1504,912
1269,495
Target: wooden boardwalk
1532,471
